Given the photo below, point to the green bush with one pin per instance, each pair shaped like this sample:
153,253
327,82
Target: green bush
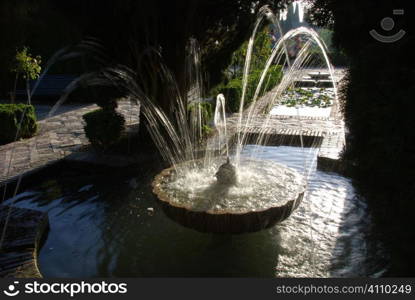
103,128
14,115
233,90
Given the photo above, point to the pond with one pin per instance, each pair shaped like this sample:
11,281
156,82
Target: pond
313,102
109,224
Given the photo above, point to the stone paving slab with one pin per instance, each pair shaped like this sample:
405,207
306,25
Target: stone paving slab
58,137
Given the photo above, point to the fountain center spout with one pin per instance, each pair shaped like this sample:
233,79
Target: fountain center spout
226,174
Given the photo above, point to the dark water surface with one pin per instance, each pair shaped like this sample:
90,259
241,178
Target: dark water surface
109,224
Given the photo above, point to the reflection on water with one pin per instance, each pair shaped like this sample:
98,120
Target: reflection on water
105,226
330,233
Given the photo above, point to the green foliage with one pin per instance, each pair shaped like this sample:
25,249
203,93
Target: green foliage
17,119
233,90
103,128
206,111
206,130
27,65
272,78
205,107
261,51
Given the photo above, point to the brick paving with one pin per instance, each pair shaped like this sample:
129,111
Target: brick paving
58,137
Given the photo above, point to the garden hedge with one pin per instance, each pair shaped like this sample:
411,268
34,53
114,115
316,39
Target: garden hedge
17,121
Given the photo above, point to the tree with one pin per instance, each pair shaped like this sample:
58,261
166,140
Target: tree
27,66
43,26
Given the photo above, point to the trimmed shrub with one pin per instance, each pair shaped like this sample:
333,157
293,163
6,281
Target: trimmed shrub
103,128
13,116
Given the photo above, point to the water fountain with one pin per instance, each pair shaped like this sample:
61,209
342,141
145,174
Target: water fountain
234,194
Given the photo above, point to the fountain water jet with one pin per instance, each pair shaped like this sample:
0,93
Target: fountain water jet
219,121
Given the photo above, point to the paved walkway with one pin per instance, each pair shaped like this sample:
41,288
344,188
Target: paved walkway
58,137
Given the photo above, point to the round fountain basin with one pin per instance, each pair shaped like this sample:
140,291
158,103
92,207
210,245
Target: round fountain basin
266,193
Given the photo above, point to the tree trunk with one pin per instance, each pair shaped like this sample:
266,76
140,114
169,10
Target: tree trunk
28,91
13,94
